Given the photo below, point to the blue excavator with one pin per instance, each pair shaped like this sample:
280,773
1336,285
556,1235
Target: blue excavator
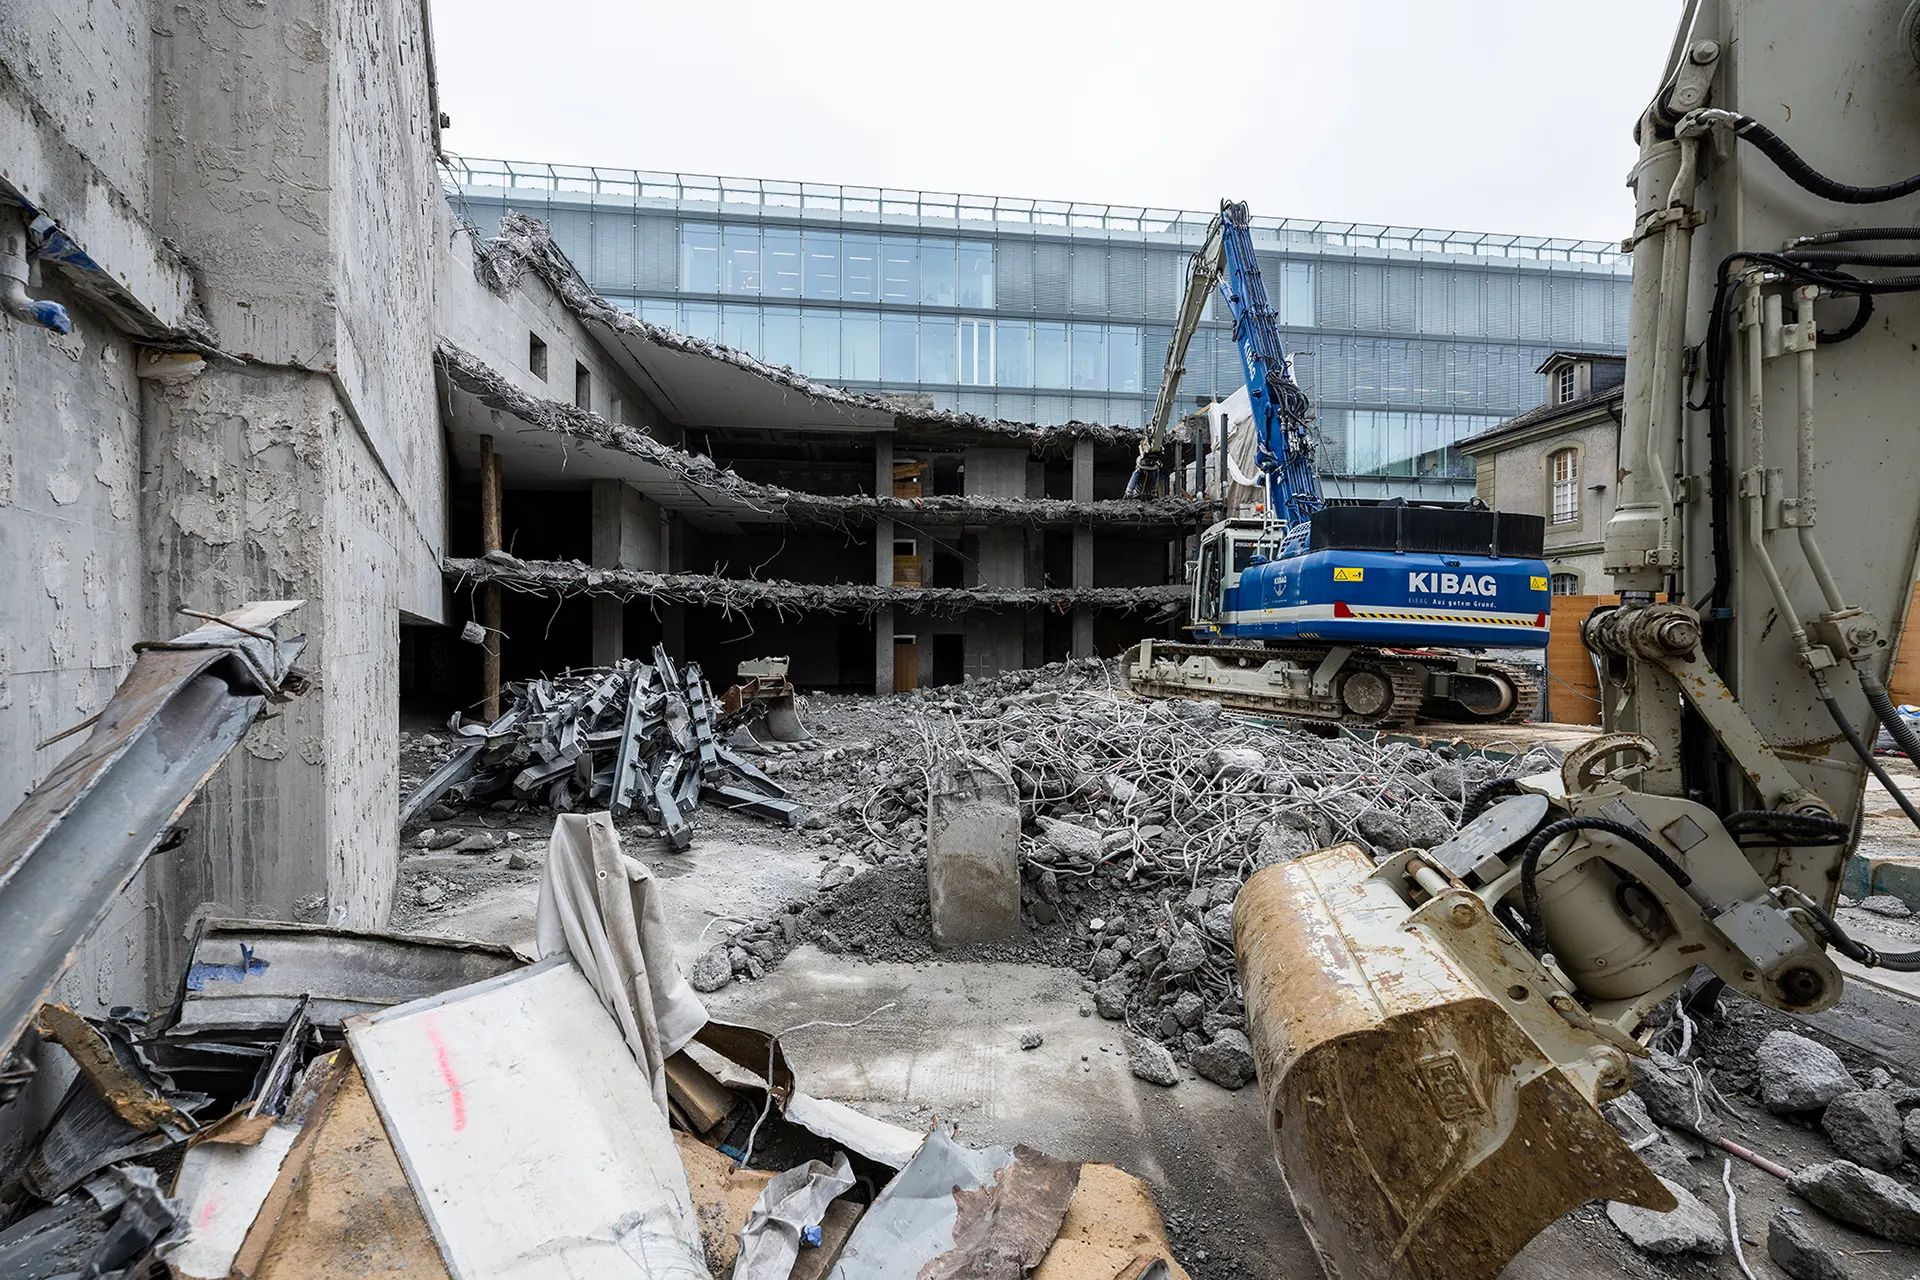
1356,612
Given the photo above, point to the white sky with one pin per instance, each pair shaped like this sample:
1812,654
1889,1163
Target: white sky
1499,115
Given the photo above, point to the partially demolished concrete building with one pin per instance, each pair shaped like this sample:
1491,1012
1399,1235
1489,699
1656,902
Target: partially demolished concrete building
251,354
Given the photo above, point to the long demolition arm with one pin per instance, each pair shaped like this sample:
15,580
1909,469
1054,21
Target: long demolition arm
1203,274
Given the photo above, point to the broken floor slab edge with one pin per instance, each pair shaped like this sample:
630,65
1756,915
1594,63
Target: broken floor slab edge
734,595
475,377
525,242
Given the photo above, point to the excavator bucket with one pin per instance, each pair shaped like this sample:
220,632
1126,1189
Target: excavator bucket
783,722
1421,1131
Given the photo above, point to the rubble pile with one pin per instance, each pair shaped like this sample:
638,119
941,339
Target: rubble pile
638,737
1140,822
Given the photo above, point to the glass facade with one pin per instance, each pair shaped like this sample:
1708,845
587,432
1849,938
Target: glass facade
1407,339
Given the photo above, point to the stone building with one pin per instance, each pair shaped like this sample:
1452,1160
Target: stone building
1561,461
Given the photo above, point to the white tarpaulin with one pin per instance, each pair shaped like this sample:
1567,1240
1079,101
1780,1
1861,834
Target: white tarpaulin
792,1202
602,908
528,1133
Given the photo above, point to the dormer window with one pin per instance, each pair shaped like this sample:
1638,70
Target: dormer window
1563,386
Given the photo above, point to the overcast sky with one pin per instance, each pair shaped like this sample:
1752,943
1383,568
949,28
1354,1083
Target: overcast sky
1501,115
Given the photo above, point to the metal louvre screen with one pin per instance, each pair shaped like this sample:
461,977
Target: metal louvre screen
1430,530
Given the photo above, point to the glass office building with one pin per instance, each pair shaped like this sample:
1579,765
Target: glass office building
1408,340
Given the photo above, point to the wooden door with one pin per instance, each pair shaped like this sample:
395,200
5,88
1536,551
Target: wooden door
906,665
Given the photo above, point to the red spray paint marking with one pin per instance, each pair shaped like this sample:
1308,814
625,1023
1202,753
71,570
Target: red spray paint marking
206,1214
454,1096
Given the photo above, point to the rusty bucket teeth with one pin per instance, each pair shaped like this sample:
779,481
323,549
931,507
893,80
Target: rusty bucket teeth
1422,1132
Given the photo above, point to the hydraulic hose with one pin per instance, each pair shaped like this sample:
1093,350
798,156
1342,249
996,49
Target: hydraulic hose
1888,716
1530,866
1481,798
1865,752
1858,952
1849,235
1775,148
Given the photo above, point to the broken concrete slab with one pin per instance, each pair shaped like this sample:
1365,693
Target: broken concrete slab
1796,1251
1864,1126
1798,1074
973,850
1861,1198
1689,1228
1150,1060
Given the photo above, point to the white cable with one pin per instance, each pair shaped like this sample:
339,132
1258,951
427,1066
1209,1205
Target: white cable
1733,1219
773,1046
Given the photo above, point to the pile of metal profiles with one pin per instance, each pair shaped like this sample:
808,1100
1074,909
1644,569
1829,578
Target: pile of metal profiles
637,737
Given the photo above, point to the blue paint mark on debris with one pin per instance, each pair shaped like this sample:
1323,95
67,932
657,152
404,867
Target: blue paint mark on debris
249,967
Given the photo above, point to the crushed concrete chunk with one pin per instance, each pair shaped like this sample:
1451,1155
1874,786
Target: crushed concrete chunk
1032,1039
1227,1060
1382,828
1110,998
1188,952
712,971
1690,1228
1885,904
1666,1086
1911,1132
1151,1061
1798,1074
1071,839
1864,1126
478,842
1861,1198
1794,1250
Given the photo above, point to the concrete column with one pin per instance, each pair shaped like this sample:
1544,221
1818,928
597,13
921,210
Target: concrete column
626,535
491,499
671,557
883,564
1082,547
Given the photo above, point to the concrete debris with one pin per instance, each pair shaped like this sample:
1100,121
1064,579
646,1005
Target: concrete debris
1150,1061
1861,1198
565,578
642,736
1672,1095
1227,1059
712,971
1690,1228
1794,1250
1885,904
1032,1039
1864,1126
1798,1074
1911,1132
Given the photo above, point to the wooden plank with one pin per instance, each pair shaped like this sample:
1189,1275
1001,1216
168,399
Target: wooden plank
1573,690
906,571
906,666
342,1209
691,1087
842,1217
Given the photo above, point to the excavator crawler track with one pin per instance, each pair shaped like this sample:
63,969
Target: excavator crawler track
1231,676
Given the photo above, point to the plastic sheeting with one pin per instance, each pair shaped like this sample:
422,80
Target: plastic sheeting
602,908
792,1202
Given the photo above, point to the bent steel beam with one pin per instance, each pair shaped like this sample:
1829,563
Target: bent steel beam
80,836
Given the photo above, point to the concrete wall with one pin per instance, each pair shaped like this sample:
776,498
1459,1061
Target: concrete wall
260,177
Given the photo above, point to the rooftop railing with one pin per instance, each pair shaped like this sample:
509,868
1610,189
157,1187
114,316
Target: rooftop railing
830,201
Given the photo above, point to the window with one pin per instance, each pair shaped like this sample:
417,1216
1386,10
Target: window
740,260
860,346
820,265
1566,584
582,387
700,320
1563,385
936,273
1089,358
936,349
1123,358
664,314
860,268
899,270
536,356
1013,362
1565,469
976,353
740,328
700,258
897,348
976,273
820,343
1050,355
781,254
780,337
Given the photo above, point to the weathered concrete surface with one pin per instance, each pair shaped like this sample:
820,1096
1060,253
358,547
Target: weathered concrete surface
973,851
